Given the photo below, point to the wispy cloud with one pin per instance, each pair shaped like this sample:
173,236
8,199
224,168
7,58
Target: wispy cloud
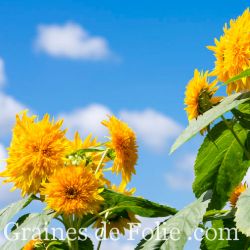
5,195
9,108
86,120
181,177
153,128
71,41
156,129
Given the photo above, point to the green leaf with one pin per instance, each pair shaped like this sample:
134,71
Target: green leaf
139,206
243,74
196,125
19,221
7,213
224,235
220,164
213,241
165,237
242,114
90,149
242,215
86,244
33,223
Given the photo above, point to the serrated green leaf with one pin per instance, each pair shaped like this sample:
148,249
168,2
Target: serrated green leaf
137,205
186,221
213,241
196,125
86,244
242,215
7,213
224,235
19,221
243,74
242,114
220,164
33,222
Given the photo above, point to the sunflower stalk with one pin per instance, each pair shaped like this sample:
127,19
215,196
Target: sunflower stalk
101,161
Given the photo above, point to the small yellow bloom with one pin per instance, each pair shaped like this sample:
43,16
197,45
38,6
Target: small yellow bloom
91,159
199,95
232,53
122,189
32,244
37,149
73,190
236,193
123,142
117,223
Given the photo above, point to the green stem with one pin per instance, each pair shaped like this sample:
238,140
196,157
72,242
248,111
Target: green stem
236,137
90,221
69,223
101,161
210,214
99,244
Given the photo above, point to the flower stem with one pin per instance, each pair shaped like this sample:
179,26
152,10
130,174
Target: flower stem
101,161
235,136
99,244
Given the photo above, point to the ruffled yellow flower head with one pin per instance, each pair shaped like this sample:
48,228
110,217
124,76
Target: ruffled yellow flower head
232,53
199,95
91,159
37,149
123,142
73,190
32,244
236,193
120,222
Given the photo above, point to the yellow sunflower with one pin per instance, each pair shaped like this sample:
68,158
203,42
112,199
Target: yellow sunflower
73,190
123,142
199,95
91,159
118,223
32,244
232,53
236,193
37,149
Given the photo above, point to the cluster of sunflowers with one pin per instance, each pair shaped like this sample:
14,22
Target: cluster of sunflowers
232,52
69,175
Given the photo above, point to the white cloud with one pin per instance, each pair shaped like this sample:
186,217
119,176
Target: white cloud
107,245
87,120
3,155
5,195
2,73
155,129
9,108
181,178
71,41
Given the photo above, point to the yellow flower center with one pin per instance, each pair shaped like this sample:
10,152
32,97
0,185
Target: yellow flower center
71,192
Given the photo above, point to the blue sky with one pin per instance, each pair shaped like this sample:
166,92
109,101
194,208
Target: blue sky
143,55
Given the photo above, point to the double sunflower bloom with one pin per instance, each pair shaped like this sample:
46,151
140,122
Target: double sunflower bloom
232,53
42,161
